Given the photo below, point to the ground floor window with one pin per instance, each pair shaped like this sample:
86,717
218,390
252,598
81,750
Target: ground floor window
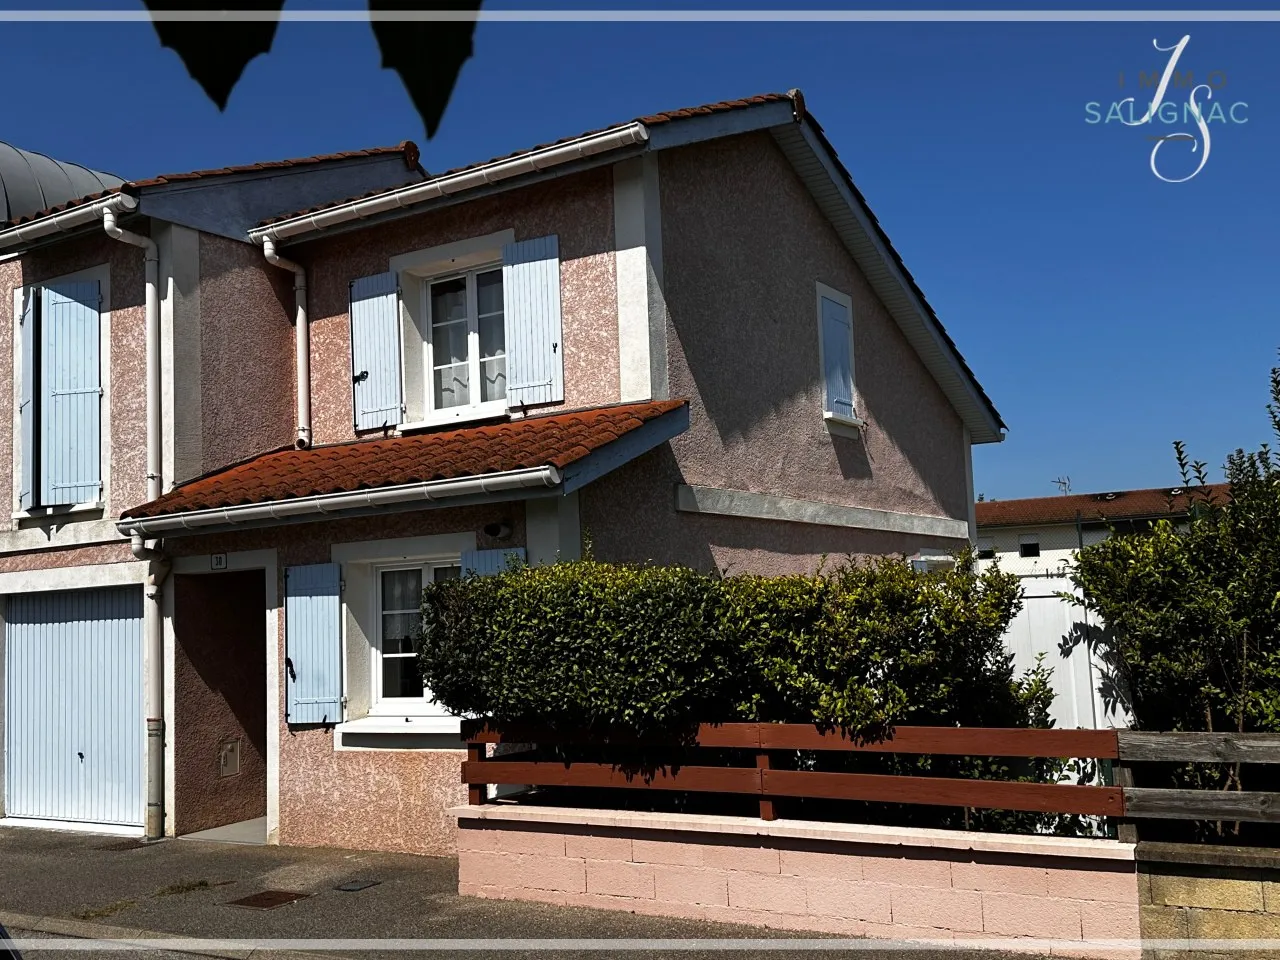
397,680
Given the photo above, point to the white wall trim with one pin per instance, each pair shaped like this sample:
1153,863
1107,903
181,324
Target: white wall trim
631,278
642,316
74,578
435,547
55,531
763,506
458,256
968,486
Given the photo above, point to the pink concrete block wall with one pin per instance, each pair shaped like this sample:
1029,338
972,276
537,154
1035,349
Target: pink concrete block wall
834,887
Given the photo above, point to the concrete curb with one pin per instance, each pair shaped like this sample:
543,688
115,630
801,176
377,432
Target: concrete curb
85,930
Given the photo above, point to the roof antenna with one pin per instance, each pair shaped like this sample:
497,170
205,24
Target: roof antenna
1064,485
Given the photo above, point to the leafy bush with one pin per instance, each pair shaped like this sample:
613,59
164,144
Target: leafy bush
1192,617
595,645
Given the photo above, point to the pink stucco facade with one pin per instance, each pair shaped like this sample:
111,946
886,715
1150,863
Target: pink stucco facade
377,798
125,381
247,376
743,247
578,209
1076,894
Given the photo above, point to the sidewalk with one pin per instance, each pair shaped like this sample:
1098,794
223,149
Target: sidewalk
86,884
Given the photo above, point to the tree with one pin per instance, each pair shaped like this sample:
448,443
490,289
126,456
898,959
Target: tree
1192,608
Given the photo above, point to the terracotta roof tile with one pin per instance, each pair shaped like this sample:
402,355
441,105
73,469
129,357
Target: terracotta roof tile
1117,505
556,440
407,147
706,109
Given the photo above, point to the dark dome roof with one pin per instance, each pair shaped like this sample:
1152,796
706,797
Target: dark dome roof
31,182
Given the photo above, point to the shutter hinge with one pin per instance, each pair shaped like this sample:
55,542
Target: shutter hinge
342,586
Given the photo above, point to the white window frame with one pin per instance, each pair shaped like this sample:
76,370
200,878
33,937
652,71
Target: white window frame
416,272
835,421
66,512
476,409
399,706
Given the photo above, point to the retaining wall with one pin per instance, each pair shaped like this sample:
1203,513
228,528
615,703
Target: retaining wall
841,879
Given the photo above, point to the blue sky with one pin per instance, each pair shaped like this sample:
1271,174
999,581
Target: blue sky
1107,313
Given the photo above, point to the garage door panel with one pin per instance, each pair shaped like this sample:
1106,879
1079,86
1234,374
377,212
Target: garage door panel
74,720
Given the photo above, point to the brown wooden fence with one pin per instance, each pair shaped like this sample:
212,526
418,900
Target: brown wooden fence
758,742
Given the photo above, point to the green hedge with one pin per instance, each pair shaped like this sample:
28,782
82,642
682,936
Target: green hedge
862,646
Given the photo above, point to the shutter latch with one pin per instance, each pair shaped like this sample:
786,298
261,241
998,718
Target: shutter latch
360,377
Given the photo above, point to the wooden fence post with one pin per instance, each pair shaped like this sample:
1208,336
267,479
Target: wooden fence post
477,793
766,803
1126,829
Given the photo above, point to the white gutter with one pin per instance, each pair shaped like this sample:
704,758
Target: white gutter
301,339
614,138
148,550
66,220
335,503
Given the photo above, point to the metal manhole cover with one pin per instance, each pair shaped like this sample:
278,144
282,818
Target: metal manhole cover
268,899
351,886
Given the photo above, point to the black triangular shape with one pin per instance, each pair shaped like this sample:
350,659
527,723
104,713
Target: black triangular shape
216,53
428,55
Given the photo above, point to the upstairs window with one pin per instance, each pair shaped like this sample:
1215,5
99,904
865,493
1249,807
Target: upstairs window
1029,546
466,331
986,550
467,348
835,339
60,395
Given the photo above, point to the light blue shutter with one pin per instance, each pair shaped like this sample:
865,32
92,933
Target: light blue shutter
486,563
313,644
375,351
70,468
26,400
837,357
531,305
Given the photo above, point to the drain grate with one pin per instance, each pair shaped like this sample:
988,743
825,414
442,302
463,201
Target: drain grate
351,886
268,899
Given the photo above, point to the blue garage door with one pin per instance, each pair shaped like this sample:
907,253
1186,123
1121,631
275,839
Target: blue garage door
74,725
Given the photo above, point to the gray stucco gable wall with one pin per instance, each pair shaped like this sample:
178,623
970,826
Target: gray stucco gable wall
228,205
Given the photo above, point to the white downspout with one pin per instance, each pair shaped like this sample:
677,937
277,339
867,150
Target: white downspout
149,550
302,338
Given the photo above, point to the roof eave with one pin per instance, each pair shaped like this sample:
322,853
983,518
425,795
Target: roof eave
469,179
829,184
507,485
25,235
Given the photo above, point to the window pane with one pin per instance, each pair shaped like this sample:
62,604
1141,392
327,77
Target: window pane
449,300
400,631
401,589
447,573
489,292
451,387
449,343
401,677
493,379
493,339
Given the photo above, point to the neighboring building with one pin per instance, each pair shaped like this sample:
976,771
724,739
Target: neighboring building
683,338
1037,539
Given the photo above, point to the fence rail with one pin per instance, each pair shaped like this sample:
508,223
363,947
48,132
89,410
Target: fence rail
765,740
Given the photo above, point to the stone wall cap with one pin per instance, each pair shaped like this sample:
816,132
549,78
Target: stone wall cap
1081,847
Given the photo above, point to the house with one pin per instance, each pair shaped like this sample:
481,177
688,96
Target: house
1037,538
255,409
